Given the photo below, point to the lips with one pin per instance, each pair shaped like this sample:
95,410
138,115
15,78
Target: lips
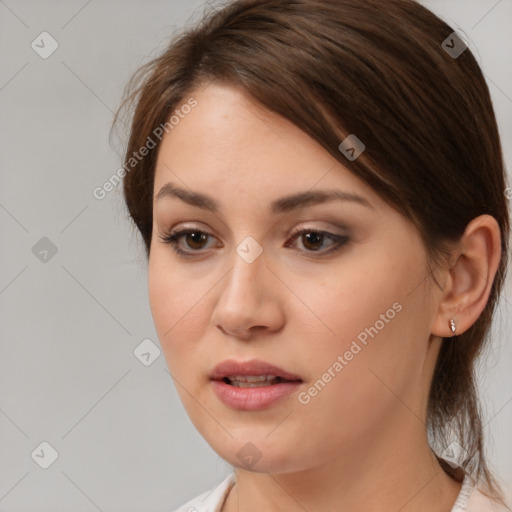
252,385
230,370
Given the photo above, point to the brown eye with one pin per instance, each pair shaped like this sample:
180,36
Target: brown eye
195,240
313,240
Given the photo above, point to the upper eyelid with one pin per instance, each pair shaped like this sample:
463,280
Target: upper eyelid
177,234
187,229
207,230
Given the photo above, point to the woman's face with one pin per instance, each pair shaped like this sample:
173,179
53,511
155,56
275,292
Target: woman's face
347,310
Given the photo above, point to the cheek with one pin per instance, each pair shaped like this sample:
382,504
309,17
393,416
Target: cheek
368,317
348,301
178,307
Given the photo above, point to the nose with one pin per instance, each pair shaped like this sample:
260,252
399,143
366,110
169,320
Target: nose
249,300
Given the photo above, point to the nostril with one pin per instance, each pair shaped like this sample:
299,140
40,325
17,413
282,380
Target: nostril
233,333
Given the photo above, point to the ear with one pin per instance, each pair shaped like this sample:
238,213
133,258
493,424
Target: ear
470,277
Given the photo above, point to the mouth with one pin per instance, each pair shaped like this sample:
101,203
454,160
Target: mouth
255,381
254,373
252,385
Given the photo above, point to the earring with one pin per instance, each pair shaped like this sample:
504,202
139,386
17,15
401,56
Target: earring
452,325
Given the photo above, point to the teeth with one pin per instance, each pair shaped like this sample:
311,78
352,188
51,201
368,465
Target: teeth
253,381
251,378
239,384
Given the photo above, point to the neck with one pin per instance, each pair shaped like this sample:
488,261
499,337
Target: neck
388,472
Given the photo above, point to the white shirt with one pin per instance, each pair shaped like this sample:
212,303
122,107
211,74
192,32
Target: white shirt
470,499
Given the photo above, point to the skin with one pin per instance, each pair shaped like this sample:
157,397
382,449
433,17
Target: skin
360,443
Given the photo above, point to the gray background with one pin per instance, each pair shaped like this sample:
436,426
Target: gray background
70,324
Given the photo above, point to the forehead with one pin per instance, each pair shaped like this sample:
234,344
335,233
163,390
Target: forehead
228,141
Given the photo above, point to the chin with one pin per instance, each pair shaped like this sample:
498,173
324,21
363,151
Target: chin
257,454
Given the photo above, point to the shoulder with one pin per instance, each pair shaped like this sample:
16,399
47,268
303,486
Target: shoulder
479,502
211,500
472,499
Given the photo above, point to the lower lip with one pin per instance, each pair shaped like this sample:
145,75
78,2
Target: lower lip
253,399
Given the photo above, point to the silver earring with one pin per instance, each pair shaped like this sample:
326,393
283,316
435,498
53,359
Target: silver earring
452,325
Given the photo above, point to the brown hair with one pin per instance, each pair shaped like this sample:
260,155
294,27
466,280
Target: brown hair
376,69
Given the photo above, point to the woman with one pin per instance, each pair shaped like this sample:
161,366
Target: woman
320,190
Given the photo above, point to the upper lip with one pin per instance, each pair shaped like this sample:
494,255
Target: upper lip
252,367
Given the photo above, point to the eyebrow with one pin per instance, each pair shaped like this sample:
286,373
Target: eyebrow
282,205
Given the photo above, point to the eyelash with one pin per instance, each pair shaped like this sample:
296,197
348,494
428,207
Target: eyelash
172,238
